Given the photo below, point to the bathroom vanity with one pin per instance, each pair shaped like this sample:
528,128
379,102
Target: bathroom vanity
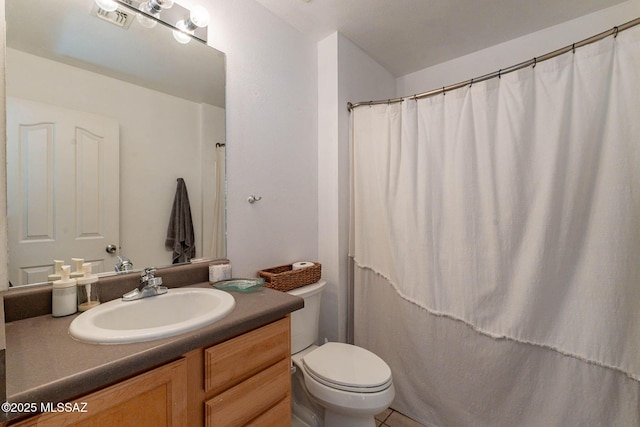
233,372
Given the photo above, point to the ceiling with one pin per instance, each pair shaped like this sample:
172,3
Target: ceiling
408,35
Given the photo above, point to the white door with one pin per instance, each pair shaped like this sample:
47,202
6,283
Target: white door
62,188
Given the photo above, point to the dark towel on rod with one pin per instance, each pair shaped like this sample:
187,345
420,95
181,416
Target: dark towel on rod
180,237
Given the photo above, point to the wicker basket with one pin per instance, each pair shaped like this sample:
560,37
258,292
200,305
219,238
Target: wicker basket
284,278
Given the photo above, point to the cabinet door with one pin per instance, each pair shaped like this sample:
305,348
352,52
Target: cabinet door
154,399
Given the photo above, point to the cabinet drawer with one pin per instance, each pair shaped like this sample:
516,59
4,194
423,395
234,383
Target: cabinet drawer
233,361
251,398
277,416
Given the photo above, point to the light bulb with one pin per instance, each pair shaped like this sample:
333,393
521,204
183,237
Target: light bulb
107,5
199,17
143,19
179,35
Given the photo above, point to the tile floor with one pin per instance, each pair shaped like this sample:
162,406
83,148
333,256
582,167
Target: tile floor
391,418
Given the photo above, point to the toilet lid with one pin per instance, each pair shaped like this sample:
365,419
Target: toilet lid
347,367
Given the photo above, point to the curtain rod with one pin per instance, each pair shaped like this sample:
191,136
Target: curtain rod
532,62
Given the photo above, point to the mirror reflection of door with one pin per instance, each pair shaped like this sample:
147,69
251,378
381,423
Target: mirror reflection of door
50,148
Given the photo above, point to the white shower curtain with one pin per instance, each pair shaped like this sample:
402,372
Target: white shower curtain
501,224
218,246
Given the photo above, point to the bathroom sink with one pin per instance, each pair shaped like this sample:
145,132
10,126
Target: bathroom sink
179,310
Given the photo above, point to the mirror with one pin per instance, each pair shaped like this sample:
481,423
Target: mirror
104,115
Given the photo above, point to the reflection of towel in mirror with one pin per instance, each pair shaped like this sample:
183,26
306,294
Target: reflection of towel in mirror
180,235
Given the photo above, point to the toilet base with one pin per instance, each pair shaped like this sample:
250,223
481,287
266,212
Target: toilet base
335,419
297,422
305,411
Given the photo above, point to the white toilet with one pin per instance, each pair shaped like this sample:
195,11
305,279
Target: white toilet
335,384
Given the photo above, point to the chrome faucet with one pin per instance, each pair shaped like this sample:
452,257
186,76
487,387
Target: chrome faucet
124,265
149,286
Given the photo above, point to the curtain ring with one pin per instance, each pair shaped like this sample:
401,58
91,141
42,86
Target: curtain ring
500,73
535,62
615,29
573,48
444,91
370,102
471,84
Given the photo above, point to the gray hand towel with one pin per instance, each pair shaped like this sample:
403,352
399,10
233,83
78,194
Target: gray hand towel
180,237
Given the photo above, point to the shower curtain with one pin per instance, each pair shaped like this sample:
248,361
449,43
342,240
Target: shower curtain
495,232
218,245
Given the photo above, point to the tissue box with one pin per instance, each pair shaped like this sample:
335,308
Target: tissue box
284,278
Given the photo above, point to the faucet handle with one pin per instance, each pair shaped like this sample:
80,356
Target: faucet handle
148,286
148,273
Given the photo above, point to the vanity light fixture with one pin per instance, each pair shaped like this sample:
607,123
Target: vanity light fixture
186,23
198,18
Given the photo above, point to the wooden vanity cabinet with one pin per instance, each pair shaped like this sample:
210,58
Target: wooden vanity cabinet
245,381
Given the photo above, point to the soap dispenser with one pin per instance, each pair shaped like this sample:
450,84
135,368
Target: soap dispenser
58,270
87,289
64,296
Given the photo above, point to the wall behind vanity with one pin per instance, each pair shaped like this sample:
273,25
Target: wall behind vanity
271,136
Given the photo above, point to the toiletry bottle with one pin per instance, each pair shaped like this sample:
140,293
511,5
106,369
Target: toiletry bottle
64,299
87,289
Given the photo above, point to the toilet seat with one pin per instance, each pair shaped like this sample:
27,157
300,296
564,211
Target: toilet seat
347,367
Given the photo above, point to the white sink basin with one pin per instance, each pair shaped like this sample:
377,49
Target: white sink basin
179,310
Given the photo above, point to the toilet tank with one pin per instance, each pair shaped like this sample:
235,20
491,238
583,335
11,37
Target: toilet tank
304,322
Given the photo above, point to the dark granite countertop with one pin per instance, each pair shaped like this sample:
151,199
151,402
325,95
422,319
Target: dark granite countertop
44,364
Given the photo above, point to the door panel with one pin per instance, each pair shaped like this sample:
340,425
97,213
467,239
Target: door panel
62,188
